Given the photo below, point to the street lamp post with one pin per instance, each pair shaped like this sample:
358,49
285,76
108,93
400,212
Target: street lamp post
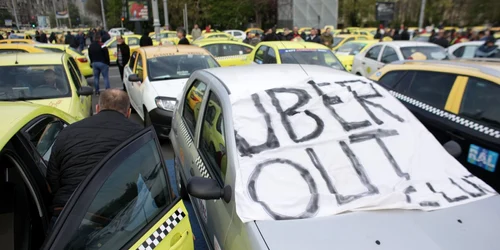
55,12
103,16
15,13
165,12
422,13
156,19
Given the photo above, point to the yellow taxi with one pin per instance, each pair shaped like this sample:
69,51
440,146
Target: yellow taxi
21,36
339,40
457,100
9,48
346,52
166,37
288,52
156,75
254,31
131,40
52,79
17,41
203,31
215,35
227,53
118,205
81,60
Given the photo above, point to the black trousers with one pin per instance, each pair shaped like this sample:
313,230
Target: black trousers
120,68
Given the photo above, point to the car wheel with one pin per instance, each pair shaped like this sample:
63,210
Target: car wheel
181,188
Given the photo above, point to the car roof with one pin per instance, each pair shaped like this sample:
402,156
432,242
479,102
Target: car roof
363,41
32,59
242,80
155,51
294,45
484,66
16,115
217,41
410,44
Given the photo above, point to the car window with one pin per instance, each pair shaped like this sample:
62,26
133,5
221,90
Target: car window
430,52
212,139
132,60
237,33
469,51
481,102
234,50
271,56
74,76
259,55
132,41
111,44
12,51
350,39
72,62
213,49
432,88
389,55
390,79
405,82
136,191
373,52
139,70
192,103
162,68
43,134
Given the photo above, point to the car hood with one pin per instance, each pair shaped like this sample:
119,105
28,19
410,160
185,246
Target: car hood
169,88
470,226
345,59
63,103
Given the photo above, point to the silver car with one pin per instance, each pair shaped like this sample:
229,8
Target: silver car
366,174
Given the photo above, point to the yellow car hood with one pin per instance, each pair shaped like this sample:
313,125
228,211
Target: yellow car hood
345,59
63,103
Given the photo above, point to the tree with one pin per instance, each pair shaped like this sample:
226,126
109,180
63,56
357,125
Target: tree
74,14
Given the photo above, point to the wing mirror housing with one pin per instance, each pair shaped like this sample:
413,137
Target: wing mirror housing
453,148
208,189
85,91
134,78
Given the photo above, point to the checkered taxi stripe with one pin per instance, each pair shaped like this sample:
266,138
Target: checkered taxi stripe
185,134
231,57
202,168
446,115
162,231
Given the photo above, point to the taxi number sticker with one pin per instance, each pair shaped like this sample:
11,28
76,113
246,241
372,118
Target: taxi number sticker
483,158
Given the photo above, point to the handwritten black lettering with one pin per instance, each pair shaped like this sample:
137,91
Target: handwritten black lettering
481,191
313,205
271,141
329,101
303,99
378,134
450,200
411,189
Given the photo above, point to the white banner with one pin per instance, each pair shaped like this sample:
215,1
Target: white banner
8,22
321,147
62,14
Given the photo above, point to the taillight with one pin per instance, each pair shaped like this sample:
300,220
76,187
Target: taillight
82,59
410,58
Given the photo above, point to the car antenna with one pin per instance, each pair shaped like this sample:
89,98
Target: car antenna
17,52
176,47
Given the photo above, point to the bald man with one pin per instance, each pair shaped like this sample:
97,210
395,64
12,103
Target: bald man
81,145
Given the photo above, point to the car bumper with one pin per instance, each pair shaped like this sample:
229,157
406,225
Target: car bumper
162,121
87,71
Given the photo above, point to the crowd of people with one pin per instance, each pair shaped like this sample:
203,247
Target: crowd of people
315,35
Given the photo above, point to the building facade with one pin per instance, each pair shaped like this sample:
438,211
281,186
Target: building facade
307,13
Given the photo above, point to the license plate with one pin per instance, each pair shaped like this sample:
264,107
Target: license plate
482,157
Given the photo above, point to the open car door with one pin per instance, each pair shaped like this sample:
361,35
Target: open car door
126,202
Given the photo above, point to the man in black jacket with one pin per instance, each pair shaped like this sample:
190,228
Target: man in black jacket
181,34
99,60
81,145
122,55
145,39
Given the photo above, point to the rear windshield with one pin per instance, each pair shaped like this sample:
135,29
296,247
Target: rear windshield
337,40
33,82
323,57
431,52
179,66
351,48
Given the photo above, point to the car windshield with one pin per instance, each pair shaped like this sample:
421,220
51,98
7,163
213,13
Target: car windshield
323,57
351,48
166,35
337,40
16,36
179,66
431,52
421,39
20,83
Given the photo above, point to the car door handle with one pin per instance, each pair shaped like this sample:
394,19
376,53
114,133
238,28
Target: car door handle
191,171
180,244
363,63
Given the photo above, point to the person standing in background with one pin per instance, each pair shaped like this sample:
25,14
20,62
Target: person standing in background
37,36
327,38
122,56
68,39
99,59
52,38
196,32
43,37
181,34
208,28
145,39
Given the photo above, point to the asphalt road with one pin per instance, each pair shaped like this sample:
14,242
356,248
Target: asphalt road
168,155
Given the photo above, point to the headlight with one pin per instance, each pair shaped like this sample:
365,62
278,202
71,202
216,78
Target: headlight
165,103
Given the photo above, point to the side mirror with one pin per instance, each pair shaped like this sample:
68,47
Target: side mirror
85,91
208,189
453,148
134,78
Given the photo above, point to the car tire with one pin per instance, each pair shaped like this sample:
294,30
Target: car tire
181,188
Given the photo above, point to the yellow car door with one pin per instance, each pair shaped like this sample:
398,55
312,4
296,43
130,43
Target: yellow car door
126,202
233,54
81,103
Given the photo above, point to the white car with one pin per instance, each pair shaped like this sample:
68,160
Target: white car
119,31
156,75
238,34
466,50
379,54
